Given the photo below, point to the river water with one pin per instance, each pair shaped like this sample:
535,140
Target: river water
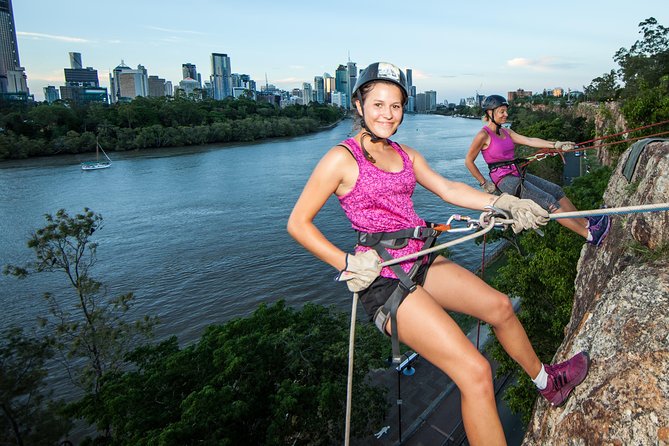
198,234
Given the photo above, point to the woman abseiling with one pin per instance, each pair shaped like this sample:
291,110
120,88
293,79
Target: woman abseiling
374,178
497,144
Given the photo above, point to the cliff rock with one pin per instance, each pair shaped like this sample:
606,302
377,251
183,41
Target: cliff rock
621,319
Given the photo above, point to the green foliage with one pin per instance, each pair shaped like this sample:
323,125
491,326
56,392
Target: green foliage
277,377
603,88
543,277
644,72
46,129
90,328
29,417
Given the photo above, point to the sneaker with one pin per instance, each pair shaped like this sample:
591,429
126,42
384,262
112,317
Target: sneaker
598,228
563,377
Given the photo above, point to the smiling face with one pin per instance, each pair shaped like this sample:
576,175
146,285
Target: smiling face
500,114
383,106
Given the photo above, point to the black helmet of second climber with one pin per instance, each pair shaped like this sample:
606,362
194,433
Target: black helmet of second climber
493,101
381,71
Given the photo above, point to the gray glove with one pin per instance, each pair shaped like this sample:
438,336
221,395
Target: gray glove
564,145
526,214
489,187
361,270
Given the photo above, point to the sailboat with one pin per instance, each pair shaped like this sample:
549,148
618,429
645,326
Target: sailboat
97,164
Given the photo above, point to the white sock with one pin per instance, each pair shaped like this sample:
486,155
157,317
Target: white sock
541,381
589,237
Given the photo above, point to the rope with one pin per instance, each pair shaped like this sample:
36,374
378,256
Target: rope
544,153
623,132
349,383
478,322
612,211
487,225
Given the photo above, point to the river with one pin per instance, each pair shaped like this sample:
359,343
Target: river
198,234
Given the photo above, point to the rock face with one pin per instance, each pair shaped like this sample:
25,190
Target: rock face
621,319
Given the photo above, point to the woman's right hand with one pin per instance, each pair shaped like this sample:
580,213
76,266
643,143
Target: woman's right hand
489,187
361,270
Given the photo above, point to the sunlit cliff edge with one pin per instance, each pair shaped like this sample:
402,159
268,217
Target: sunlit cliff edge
620,318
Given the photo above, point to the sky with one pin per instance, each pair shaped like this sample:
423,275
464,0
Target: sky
455,48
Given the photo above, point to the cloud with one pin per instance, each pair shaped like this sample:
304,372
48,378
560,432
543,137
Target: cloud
40,36
543,64
178,31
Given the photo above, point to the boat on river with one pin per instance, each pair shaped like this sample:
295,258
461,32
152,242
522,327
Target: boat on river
97,164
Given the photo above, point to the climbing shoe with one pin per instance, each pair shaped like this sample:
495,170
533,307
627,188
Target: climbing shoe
598,228
563,377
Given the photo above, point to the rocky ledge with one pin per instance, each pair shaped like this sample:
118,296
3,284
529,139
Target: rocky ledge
621,319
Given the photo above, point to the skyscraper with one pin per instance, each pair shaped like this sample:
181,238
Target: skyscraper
352,78
329,87
341,85
81,84
411,100
221,75
319,88
12,75
189,71
127,83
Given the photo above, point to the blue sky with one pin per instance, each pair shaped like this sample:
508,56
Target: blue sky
455,48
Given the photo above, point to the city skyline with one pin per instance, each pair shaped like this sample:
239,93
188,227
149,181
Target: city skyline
455,50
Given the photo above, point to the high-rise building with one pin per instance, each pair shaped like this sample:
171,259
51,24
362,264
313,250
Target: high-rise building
78,76
156,86
51,94
221,76
329,87
319,89
421,103
339,99
341,80
12,75
75,61
81,84
127,83
430,100
306,93
352,78
411,91
189,71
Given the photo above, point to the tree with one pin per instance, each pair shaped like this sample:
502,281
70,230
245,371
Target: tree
644,68
647,60
88,325
277,377
28,417
604,88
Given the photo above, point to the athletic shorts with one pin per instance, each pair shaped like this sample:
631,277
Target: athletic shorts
543,192
376,295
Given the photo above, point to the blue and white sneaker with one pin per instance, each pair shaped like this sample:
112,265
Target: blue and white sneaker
598,228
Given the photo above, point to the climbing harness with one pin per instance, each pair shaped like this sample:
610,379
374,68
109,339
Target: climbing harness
381,242
488,220
521,167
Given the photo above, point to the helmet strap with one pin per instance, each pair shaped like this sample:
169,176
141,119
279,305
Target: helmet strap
491,116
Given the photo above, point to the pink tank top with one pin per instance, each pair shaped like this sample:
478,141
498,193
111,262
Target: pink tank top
500,149
381,201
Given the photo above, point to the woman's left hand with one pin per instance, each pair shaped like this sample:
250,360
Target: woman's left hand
565,146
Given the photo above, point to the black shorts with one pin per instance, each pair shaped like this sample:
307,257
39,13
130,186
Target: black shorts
376,295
